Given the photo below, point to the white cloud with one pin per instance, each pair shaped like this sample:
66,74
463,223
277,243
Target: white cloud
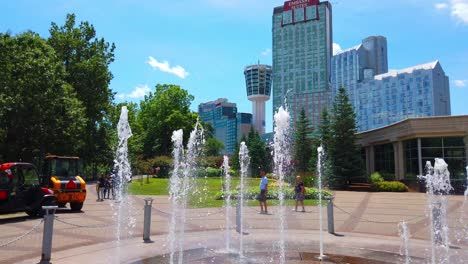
336,48
139,92
460,83
266,52
460,10
441,5
164,66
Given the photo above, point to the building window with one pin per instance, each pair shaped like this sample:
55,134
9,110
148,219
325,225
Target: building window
385,161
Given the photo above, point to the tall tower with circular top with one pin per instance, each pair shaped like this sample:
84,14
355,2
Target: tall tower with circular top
258,84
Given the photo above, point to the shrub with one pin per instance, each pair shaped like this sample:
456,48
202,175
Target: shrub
232,172
376,177
213,172
309,179
211,161
389,186
251,193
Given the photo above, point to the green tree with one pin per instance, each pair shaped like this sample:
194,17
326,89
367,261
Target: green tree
302,142
325,140
86,59
234,158
258,153
161,113
213,146
39,111
344,155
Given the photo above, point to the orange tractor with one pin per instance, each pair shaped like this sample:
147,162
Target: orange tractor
62,175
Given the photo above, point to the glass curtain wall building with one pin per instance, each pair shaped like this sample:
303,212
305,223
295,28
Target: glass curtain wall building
228,125
302,51
354,65
380,97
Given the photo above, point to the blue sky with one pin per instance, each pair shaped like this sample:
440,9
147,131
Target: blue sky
204,45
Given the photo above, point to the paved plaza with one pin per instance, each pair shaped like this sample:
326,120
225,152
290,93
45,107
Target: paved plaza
364,222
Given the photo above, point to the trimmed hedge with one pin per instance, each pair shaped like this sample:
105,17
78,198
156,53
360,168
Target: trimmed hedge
252,192
389,186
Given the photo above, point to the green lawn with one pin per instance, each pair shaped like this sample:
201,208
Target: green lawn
207,190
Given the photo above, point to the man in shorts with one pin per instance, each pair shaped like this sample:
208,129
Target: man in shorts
262,197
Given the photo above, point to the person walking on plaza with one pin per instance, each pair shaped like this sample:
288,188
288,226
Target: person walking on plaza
299,191
100,188
107,185
262,197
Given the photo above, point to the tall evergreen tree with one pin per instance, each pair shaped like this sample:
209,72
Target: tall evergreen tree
324,139
234,158
344,154
257,152
302,142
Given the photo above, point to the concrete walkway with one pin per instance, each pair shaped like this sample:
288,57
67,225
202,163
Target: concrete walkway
366,220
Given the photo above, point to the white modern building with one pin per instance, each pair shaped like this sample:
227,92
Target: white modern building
258,85
381,98
358,63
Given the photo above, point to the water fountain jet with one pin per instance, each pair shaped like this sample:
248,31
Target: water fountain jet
281,158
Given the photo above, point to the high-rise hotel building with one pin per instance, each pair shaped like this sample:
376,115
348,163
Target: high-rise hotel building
381,98
302,52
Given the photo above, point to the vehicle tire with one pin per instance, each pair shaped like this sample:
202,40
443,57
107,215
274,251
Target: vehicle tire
61,205
76,206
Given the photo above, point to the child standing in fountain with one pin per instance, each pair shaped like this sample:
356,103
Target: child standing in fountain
262,197
300,193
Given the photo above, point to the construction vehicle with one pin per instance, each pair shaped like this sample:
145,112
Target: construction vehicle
20,190
62,175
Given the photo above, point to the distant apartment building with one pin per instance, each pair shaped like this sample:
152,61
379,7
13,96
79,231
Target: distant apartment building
381,98
258,87
228,124
302,51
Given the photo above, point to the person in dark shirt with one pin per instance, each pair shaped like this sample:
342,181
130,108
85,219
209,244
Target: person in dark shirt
299,191
100,188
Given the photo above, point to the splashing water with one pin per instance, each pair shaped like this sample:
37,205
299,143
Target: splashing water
175,189
320,156
404,233
244,165
227,200
182,184
438,186
282,157
125,223
462,235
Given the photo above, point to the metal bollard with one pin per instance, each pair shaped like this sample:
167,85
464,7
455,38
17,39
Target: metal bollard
147,220
47,234
238,215
330,217
437,222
